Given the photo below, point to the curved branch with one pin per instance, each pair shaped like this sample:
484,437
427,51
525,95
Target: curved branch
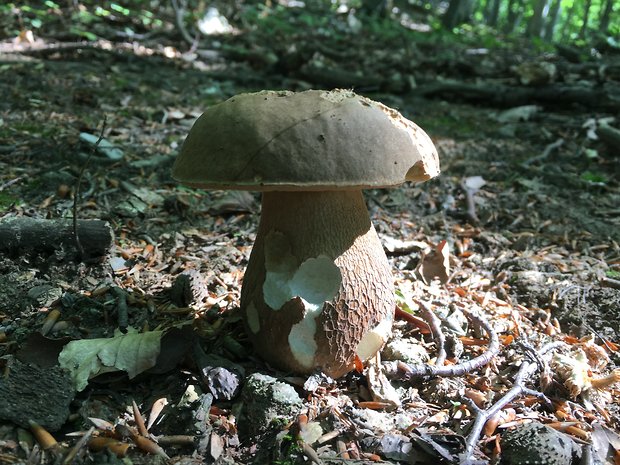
416,371
435,325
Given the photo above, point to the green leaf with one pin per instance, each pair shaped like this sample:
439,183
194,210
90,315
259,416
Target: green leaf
132,352
596,178
86,34
120,9
591,153
404,302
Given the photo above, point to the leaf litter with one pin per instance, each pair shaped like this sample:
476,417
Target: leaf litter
509,328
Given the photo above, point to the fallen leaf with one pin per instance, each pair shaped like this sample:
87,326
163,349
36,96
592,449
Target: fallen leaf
233,202
605,443
435,264
105,147
310,432
132,352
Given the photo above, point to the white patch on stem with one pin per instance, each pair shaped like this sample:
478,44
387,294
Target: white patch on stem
315,281
252,318
374,339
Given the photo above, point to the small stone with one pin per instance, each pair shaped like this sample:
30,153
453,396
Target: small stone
26,392
538,444
266,400
406,351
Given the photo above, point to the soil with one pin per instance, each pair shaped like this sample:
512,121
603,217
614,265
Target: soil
545,240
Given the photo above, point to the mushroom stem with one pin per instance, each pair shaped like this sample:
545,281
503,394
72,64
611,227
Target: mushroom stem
318,290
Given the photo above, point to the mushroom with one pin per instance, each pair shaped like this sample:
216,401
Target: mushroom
318,293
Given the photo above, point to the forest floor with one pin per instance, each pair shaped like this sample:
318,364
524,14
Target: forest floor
538,254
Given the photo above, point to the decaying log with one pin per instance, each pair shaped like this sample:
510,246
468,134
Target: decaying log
609,135
601,97
23,234
332,77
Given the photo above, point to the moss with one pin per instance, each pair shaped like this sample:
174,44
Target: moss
6,201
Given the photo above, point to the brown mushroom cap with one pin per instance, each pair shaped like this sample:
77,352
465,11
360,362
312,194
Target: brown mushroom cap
312,140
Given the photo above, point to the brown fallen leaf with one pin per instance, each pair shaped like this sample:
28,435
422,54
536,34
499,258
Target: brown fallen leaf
435,264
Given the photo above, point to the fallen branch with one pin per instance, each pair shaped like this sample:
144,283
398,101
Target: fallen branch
24,234
543,156
526,370
605,97
417,371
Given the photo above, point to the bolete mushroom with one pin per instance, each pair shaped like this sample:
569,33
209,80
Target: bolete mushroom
318,291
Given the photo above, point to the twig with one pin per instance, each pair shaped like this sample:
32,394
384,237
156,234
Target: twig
609,135
543,366
471,204
10,183
416,371
76,197
607,282
81,444
438,335
7,148
543,156
179,13
183,440
122,311
470,189
526,370
310,453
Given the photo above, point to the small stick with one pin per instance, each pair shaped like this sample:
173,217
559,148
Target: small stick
610,282
81,444
76,197
412,320
10,183
179,12
543,156
438,335
139,419
310,453
176,440
471,204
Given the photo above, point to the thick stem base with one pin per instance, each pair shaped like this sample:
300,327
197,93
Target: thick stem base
318,291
